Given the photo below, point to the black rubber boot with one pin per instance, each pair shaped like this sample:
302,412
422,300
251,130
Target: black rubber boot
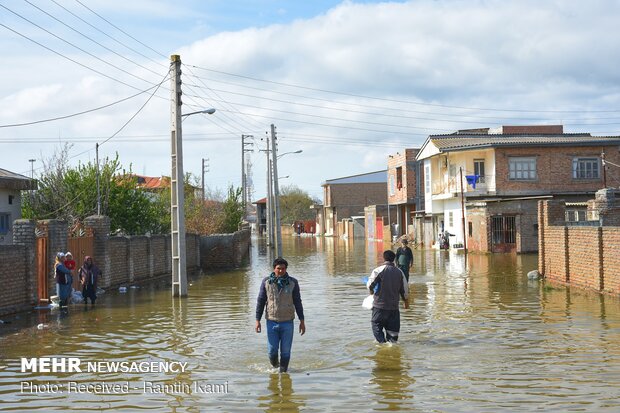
284,365
274,361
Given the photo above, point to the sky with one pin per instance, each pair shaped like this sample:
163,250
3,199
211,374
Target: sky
348,83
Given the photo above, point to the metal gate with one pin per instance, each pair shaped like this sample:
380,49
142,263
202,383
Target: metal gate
503,233
42,270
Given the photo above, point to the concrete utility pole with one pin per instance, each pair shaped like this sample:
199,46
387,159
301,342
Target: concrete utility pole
203,175
269,199
243,174
98,185
276,191
177,194
463,213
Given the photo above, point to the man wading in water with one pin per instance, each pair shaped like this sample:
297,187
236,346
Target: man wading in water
280,294
392,285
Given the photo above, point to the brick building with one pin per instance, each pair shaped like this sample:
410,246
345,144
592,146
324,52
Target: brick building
347,197
405,192
494,178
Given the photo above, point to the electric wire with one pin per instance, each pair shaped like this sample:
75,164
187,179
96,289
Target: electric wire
78,113
108,35
77,47
398,100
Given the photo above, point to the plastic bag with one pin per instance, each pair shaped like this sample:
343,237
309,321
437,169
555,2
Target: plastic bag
368,302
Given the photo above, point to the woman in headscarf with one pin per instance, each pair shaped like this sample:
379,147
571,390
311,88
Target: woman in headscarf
89,275
63,279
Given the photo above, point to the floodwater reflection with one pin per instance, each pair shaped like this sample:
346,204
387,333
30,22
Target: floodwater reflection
479,336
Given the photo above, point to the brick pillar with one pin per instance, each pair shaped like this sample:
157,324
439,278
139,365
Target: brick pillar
57,234
100,226
23,234
542,224
566,262
601,268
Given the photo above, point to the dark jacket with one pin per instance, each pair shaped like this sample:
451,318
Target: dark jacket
392,285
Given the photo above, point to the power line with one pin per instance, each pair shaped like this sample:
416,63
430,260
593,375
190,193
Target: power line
77,47
107,35
78,113
71,60
397,100
91,39
119,29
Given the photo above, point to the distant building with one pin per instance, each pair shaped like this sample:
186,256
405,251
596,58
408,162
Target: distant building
348,196
502,173
405,192
11,185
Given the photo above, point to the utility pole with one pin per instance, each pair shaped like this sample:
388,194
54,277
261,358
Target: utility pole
463,213
604,168
98,186
276,191
177,194
31,167
243,174
203,175
269,200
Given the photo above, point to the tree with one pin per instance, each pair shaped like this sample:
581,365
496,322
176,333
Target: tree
233,210
295,205
71,194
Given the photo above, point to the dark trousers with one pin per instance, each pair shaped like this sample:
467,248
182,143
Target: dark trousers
405,270
388,320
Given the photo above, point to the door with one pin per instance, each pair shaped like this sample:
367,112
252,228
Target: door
80,247
379,229
42,270
503,233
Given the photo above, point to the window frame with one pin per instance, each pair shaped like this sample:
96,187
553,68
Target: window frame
586,160
516,166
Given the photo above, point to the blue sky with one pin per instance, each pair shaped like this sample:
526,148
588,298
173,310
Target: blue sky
347,82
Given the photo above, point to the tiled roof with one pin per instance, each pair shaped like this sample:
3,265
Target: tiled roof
13,180
153,182
470,141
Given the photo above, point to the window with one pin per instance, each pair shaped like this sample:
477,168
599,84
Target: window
479,169
586,168
5,220
11,197
451,219
427,179
399,178
392,189
471,229
522,168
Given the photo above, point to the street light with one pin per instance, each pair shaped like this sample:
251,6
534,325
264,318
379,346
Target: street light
287,153
206,112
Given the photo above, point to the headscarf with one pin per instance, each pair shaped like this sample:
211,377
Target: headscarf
90,271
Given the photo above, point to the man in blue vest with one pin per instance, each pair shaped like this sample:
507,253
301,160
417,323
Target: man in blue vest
280,295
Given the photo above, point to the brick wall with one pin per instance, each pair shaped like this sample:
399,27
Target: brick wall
405,161
584,257
224,251
15,294
350,199
122,260
554,169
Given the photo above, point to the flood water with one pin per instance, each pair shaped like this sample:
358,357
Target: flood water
478,337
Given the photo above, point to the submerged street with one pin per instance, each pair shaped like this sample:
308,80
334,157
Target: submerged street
479,336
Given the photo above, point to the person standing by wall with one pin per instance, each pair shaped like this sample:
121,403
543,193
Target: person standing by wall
63,279
280,295
404,258
89,275
392,286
